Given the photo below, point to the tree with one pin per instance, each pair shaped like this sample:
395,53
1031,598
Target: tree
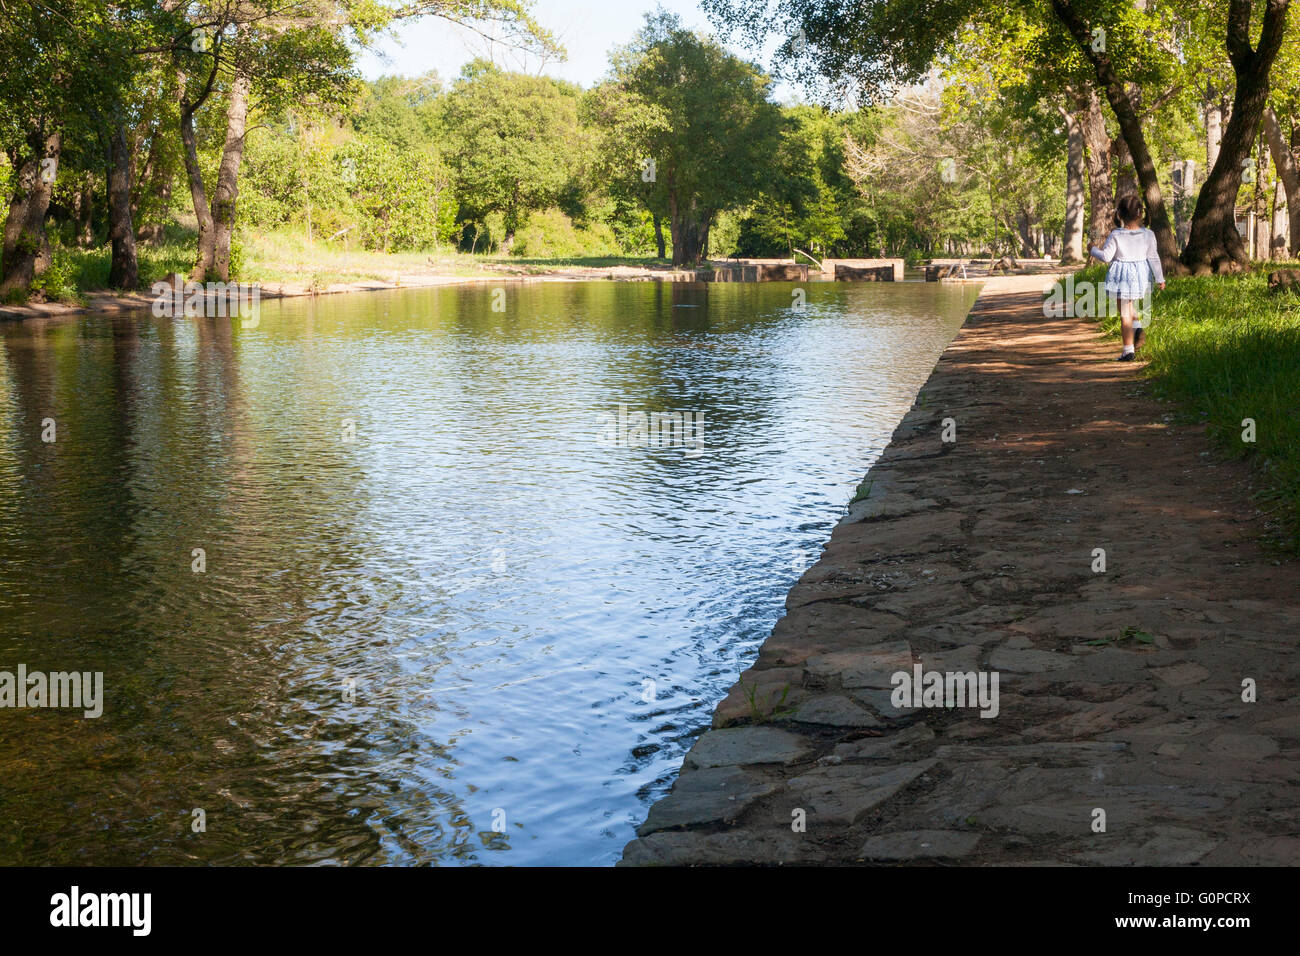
622,125
1214,243
807,202
55,63
513,141
715,131
399,199
260,56
1111,36
1285,150
871,47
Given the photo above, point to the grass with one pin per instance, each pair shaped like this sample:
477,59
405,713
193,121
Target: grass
76,271
1224,350
762,712
583,262
287,257
1131,633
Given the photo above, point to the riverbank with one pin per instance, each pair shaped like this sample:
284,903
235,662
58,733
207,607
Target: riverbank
286,265
1077,541
309,285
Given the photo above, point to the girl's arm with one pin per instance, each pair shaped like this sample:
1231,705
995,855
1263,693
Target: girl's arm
1106,252
1153,259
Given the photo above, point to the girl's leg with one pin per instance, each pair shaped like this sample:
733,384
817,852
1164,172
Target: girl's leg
1127,311
1142,313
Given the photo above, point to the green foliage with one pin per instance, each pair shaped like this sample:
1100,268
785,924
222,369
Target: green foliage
402,164
238,261
58,283
366,190
396,200
702,117
513,141
276,173
809,201
403,111
550,234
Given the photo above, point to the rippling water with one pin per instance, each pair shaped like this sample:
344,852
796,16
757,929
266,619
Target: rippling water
472,633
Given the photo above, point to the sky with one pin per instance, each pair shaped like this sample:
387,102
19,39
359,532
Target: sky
588,29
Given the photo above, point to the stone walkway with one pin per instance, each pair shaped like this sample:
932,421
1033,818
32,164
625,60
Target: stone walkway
1119,690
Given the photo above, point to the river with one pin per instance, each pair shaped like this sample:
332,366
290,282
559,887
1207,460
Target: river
389,578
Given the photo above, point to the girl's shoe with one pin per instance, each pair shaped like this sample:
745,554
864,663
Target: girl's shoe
1126,357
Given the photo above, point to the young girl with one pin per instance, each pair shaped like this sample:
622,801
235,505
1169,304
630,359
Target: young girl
1134,262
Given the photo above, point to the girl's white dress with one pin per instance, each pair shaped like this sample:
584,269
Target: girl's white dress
1134,262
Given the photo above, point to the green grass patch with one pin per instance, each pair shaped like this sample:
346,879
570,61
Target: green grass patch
1130,635
75,271
583,262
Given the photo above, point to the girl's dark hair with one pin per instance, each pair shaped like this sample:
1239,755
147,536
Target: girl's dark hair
1129,209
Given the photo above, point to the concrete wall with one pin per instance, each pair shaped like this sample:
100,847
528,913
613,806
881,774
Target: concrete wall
830,267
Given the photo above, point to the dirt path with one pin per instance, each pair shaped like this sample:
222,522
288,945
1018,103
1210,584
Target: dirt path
1119,691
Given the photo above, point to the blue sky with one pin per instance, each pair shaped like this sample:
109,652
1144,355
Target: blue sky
587,28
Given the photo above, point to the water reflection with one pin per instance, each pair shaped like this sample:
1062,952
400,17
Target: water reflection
438,621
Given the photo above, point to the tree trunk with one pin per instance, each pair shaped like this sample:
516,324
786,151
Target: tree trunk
207,247
198,196
24,170
1213,125
1281,225
124,271
690,233
1130,125
1215,244
86,211
227,191
1126,181
659,237
1074,175
1288,173
154,180
1101,200
1264,223
24,235
1027,247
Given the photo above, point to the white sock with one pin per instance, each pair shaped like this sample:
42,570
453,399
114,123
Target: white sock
1128,350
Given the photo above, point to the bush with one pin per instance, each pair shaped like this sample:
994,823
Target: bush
58,283
550,234
394,200
237,257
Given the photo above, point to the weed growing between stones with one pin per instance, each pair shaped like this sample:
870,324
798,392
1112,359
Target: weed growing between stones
758,714
864,491
1130,635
